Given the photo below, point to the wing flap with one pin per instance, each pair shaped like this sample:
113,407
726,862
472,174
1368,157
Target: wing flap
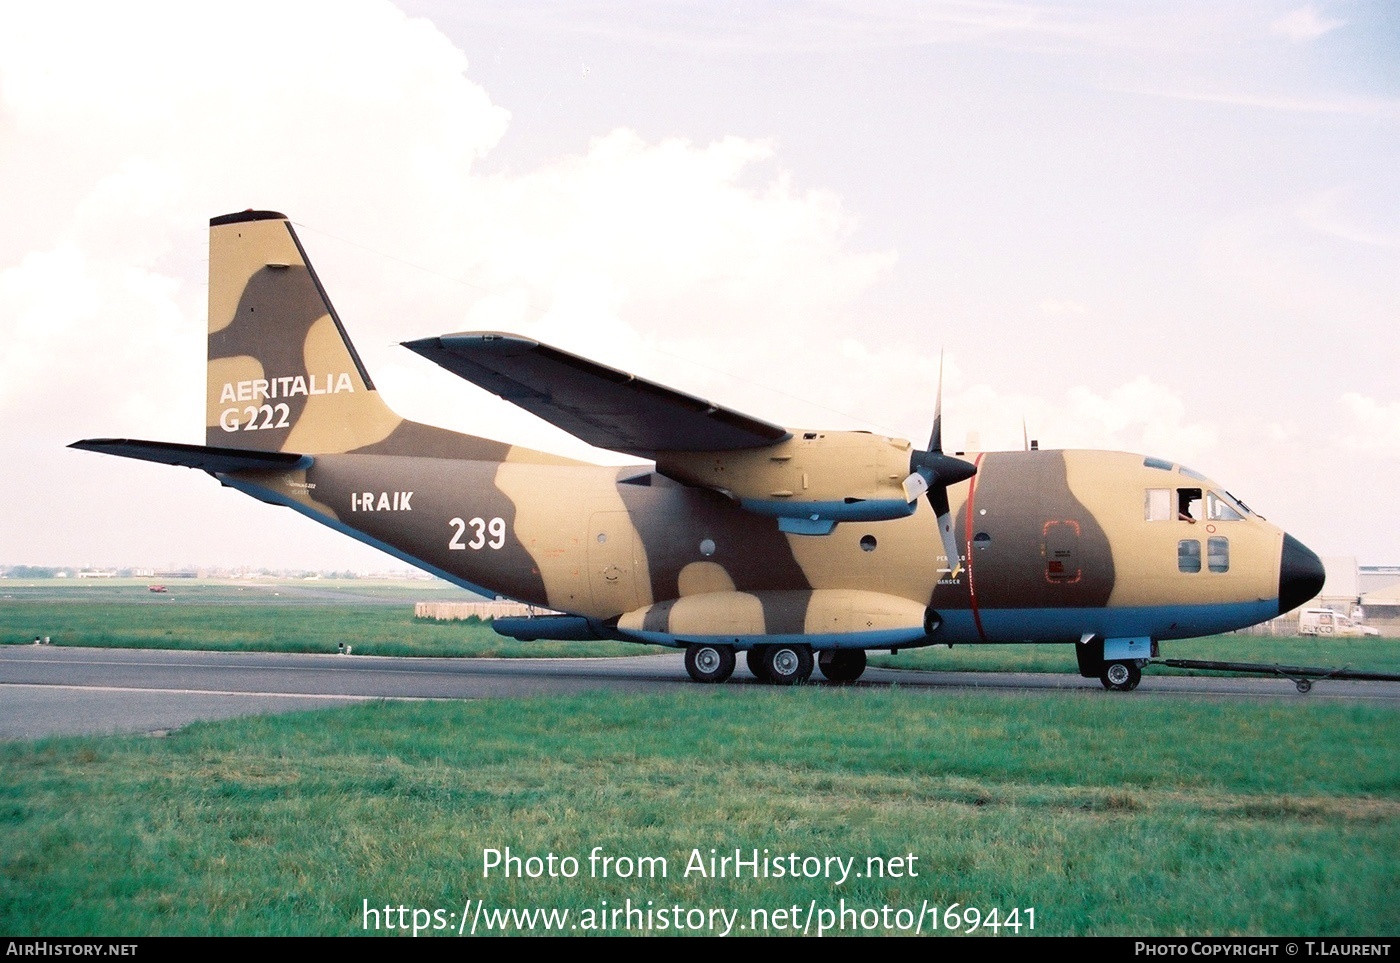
603,406
216,460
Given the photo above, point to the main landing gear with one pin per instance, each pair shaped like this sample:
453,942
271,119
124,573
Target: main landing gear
773,664
842,665
709,663
781,664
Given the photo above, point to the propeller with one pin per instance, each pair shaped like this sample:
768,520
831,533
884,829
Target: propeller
931,472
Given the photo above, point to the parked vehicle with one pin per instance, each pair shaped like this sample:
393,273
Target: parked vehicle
1328,622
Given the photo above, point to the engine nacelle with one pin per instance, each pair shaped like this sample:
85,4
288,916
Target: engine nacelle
809,482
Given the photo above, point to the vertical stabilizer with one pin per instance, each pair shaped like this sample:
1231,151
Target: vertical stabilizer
283,376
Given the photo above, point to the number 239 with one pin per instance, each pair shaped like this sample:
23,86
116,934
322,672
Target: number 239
480,527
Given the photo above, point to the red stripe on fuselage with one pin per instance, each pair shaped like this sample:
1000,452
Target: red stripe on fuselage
967,543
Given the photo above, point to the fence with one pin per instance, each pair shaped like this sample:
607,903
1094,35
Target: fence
449,611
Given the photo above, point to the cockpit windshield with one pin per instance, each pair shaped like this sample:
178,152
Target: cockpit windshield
1221,508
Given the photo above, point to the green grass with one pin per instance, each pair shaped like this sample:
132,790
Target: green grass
269,627
1376,654
1108,816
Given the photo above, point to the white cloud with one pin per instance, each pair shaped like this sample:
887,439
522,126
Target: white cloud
1348,214
1059,308
842,25
1304,24
172,116
1385,108
363,125
1371,427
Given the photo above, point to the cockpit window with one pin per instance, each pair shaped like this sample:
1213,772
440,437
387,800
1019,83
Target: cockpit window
1191,474
1221,509
1158,507
1150,462
1188,504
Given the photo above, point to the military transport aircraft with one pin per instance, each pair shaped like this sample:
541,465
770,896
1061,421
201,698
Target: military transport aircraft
740,535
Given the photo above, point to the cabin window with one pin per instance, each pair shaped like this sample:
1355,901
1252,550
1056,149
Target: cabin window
867,543
707,547
1188,504
1188,555
1158,505
1217,555
1219,509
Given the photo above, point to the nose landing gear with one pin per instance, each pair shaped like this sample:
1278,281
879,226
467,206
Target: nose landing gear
1121,676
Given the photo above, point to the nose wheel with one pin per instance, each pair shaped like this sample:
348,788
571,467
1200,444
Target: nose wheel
1121,676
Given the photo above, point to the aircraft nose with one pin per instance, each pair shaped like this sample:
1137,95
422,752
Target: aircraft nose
1300,575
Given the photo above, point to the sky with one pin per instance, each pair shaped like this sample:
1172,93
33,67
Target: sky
1170,228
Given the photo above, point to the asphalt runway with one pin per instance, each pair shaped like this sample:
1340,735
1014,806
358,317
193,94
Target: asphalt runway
50,690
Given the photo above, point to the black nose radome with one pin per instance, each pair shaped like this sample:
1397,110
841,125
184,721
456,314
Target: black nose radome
1300,575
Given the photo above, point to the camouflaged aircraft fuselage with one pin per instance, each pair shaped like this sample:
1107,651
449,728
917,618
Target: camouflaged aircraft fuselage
738,534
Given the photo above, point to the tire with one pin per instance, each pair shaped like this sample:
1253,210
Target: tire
1089,656
709,663
754,659
1121,676
1303,685
787,664
841,665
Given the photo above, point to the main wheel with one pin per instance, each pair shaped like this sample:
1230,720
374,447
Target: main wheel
841,665
754,659
709,663
787,664
1121,676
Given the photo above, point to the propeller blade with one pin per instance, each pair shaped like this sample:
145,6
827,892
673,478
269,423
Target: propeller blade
935,439
914,486
931,472
938,500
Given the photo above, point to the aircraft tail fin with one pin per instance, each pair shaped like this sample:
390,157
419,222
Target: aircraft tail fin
283,375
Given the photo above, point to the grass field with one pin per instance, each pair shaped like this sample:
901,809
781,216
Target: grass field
1107,816
372,618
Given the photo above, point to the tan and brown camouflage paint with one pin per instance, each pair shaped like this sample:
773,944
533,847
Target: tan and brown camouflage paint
640,547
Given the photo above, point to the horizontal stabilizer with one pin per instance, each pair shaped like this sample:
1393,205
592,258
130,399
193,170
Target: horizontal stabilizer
215,460
603,406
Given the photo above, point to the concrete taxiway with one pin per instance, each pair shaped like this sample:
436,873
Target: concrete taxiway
50,690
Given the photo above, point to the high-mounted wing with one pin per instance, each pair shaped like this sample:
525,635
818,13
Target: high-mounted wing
603,406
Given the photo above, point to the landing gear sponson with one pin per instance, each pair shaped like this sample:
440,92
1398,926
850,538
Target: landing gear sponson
782,664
